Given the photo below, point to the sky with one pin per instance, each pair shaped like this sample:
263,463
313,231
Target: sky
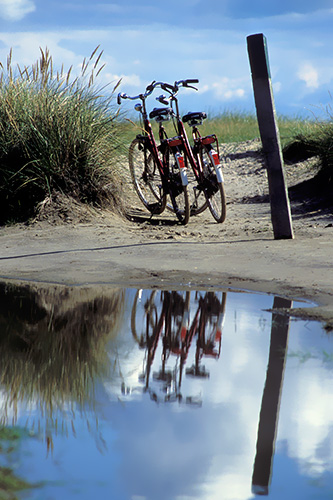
150,40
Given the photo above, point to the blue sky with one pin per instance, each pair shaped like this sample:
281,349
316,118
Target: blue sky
153,40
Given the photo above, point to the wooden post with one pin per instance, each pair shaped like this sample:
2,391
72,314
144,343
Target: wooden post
263,95
269,414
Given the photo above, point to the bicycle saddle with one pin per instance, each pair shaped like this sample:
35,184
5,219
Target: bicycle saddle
161,114
195,118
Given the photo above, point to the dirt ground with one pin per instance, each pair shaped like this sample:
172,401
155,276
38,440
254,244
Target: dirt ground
72,245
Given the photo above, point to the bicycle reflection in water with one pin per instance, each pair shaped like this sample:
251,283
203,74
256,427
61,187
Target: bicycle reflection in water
162,321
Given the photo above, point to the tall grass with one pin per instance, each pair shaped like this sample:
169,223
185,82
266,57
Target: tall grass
57,133
316,140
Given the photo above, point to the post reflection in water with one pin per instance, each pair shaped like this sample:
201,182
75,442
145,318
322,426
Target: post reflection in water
193,378
271,398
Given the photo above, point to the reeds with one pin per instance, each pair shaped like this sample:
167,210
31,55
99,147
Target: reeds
57,133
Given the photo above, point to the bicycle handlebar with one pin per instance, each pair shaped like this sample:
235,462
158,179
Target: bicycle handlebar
186,83
149,90
172,89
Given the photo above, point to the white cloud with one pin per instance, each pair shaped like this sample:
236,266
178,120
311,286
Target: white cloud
15,10
226,88
127,80
230,94
277,86
309,75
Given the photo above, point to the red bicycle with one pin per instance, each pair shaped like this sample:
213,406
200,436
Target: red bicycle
202,157
157,171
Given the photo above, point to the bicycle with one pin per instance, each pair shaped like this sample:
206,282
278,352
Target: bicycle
157,171
202,157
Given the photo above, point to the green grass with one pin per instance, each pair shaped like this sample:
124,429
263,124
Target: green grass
56,134
316,139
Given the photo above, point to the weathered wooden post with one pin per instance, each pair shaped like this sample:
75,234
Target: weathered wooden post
269,414
263,95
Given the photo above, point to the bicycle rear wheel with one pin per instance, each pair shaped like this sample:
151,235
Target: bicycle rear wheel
177,191
146,177
144,317
214,190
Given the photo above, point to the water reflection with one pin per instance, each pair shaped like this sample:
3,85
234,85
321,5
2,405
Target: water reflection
271,398
53,350
164,317
197,394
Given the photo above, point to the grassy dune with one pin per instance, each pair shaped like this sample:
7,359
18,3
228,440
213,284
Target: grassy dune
56,134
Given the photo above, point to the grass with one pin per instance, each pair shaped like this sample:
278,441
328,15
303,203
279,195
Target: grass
315,139
57,133
11,438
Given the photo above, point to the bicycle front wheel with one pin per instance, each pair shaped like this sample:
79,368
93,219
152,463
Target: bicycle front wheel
178,192
146,177
181,205
144,317
214,190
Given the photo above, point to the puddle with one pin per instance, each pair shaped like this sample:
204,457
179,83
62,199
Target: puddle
170,395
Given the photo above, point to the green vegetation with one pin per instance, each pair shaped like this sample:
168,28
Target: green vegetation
53,351
10,440
57,134
315,139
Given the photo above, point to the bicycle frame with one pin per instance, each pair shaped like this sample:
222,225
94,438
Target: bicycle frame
150,139
182,136
193,153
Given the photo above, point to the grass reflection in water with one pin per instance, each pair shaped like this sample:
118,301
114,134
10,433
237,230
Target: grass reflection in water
52,351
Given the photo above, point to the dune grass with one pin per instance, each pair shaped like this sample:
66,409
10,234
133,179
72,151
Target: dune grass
57,133
315,139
